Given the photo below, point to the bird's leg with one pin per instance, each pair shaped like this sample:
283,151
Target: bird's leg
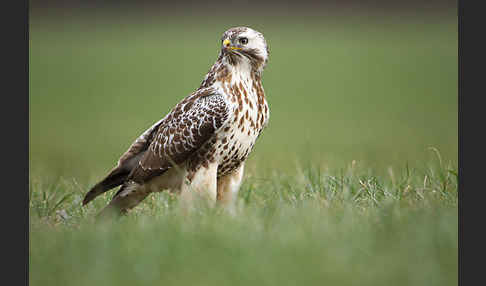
202,187
228,187
129,196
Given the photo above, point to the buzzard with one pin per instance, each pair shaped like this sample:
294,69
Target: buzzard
202,144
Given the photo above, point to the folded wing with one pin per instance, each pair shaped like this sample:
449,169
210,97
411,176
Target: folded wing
169,141
191,125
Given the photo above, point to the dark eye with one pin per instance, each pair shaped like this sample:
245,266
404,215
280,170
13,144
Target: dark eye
243,41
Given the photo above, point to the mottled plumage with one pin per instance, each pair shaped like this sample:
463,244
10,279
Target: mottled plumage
202,144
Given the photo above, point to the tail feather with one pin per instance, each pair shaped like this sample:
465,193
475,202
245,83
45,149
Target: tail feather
115,178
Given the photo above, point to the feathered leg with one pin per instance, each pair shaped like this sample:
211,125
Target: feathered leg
129,196
228,187
202,186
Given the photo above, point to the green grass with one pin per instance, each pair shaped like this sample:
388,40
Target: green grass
354,182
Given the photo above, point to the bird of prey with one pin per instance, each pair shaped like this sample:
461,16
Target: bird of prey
202,144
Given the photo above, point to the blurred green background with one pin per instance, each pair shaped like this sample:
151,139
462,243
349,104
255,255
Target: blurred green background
376,89
346,82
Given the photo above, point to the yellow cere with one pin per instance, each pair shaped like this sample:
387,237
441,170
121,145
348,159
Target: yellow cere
227,43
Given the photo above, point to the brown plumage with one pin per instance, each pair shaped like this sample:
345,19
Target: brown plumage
202,144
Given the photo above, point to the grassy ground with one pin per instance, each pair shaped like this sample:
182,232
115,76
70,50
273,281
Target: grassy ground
353,182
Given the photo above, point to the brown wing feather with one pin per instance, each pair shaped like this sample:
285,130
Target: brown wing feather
139,145
126,163
191,125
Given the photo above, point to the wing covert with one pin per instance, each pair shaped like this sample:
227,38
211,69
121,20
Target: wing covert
188,127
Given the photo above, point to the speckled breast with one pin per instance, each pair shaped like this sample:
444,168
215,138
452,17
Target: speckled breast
236,141
249,113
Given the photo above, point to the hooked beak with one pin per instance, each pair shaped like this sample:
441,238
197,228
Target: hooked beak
227,45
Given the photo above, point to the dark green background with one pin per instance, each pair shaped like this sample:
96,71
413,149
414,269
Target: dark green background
378,90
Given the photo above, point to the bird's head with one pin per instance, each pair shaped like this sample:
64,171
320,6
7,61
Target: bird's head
243,45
